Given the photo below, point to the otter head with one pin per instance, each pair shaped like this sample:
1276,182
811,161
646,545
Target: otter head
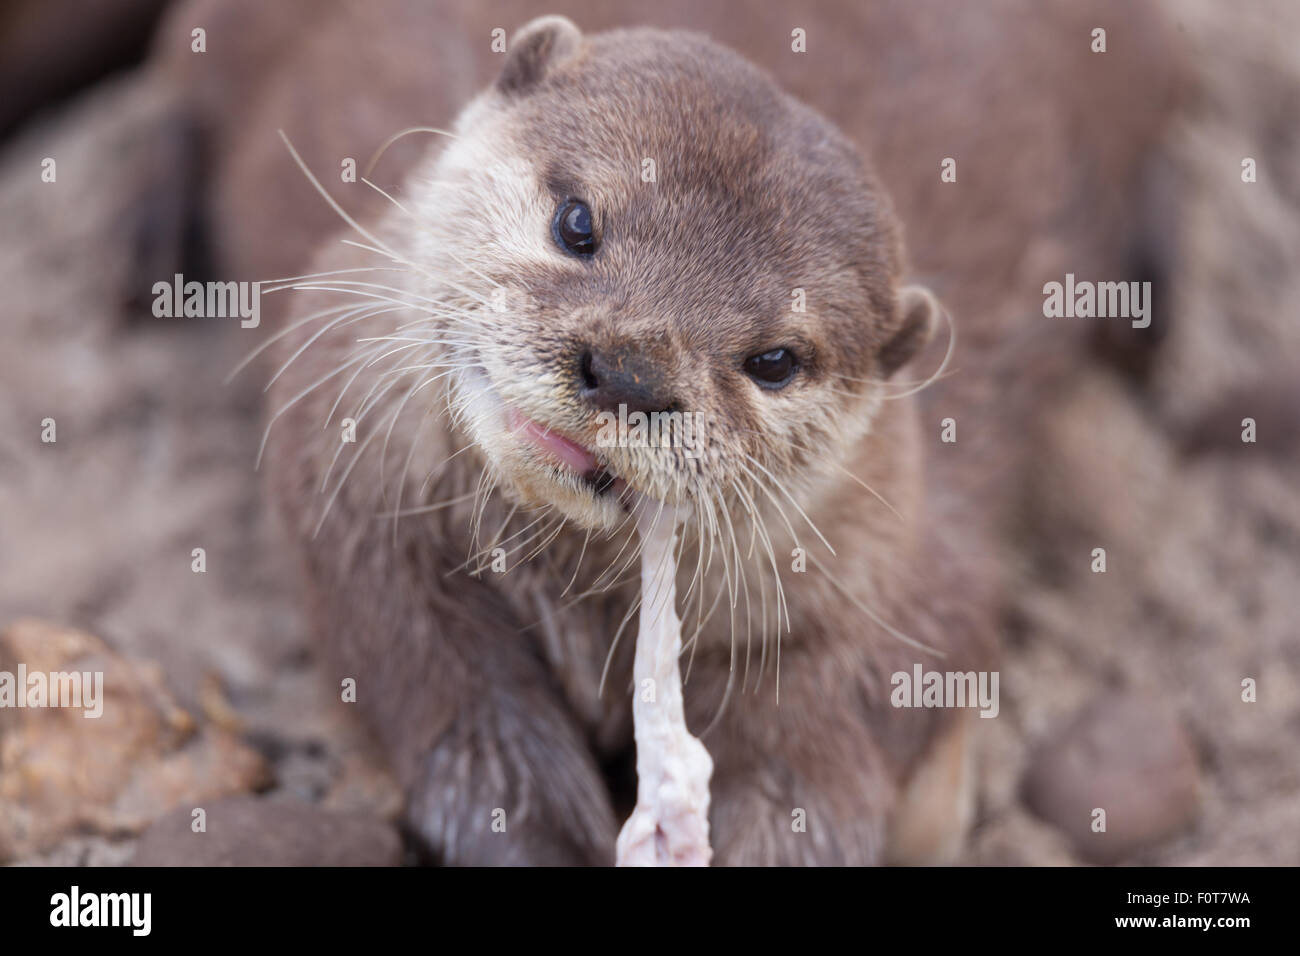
663,275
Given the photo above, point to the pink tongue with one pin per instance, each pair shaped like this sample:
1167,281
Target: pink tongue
570,453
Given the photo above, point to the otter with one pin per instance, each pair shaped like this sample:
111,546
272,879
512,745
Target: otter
501,695
433,447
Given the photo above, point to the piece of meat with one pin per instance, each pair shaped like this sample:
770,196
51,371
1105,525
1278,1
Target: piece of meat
670,824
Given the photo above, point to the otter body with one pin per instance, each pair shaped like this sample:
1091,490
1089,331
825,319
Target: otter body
466,547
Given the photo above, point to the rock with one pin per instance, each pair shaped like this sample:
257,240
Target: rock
64,773
251,831
1125,755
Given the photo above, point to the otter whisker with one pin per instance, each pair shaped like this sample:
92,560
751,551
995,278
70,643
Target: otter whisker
483,559
614,561
762,630
731,670
449,252
586,538
370,401
243,363
427,509
727,558
559,526
364,293
436,471
344,285
791,499
356,455
782,604
633,607
411,340
479,553
616,580
743,579
383,454
793,441
476,516
342,480
369,358
899,383
287,282
745,500
541,533
424,312
412,267
699,554
692,643
771,554
347,316
383,148
889,628
505,522
757,520
714,537
947,357
378,390
877,495
406,468
758,483
619,577
442,280
266,433
340,211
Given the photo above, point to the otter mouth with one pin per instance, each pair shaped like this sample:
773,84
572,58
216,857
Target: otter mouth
566,452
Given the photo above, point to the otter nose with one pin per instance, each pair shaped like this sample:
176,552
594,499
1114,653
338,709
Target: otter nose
610,378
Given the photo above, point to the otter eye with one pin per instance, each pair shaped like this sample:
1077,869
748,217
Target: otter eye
772,369
573,228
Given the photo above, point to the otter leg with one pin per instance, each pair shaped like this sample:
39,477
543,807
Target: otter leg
807,782
508,780
495,769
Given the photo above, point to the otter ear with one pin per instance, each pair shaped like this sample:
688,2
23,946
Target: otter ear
535,50
921,314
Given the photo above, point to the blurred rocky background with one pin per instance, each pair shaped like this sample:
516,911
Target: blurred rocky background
1121,690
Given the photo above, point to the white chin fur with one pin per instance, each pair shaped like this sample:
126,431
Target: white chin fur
530,477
